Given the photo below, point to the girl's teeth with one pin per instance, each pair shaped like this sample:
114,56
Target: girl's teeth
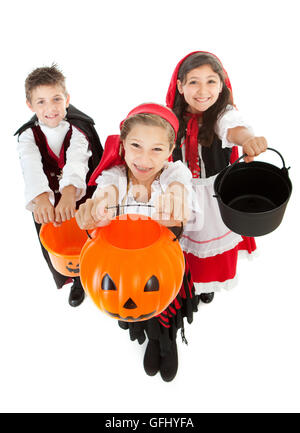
142,169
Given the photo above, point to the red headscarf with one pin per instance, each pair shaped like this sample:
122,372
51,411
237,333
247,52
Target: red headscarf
111,154
191,140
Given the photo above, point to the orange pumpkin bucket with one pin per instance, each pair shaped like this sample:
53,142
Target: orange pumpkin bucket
132,268
64,244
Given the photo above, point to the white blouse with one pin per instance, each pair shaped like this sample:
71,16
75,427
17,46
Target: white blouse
231,118
173,172
74,172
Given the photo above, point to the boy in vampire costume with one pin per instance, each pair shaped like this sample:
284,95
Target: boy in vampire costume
59,148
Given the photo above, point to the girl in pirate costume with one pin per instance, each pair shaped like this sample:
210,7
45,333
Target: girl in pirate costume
59,148
209,128
139,158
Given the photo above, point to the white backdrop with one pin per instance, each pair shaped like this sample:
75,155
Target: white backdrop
244,351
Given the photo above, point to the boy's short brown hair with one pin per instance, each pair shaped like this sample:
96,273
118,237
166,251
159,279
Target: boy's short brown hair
44,76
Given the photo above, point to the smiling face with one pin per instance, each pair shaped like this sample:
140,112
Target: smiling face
201,88
49,103
130,307
146,148
73,267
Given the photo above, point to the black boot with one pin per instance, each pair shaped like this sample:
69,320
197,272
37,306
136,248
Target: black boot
152,357
77,293
207,297
169,364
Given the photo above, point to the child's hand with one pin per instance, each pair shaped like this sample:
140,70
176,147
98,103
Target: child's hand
94,213
43,209
65,209
171,207
254,146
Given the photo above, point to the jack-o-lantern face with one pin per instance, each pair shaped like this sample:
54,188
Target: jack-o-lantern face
73,267
132,269
152,285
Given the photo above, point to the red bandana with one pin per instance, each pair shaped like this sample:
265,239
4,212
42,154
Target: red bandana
170,98
191,141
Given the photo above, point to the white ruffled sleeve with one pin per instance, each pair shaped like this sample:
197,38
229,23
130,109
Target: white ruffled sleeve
230,119
175,172
36,181
115,176
76,166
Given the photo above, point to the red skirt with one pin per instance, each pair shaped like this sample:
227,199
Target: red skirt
221,267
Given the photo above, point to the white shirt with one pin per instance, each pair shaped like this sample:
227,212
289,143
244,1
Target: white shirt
231,118
74,172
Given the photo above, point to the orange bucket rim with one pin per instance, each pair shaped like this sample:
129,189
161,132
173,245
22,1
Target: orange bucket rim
98,232
54,253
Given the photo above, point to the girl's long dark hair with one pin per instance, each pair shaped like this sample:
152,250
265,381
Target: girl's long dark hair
207,131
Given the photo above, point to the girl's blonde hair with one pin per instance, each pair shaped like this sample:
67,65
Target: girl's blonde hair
149,120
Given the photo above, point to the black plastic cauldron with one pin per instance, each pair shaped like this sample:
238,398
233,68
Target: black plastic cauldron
252,196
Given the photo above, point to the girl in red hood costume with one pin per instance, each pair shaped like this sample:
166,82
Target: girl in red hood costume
142,142
200,94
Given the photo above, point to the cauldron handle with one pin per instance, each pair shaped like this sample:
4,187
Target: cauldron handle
238,160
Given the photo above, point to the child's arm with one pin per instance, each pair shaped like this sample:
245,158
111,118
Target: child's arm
172,207
94,213
76,166
72,185
111,185
43,210
65,208
36,182
252,146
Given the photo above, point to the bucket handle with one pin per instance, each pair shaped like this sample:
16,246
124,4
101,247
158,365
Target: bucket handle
238,160
87,232
138,205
